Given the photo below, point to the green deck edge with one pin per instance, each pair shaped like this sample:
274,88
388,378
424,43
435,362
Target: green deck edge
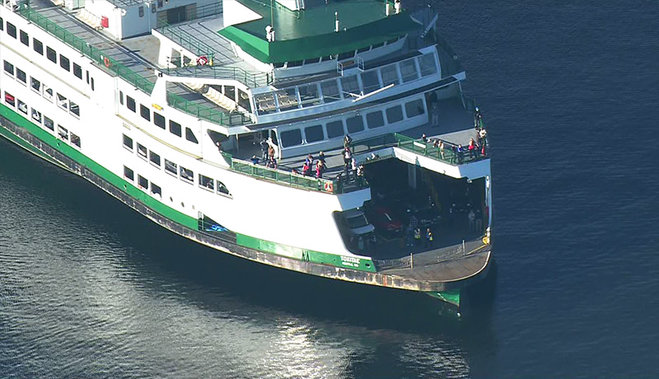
170,213
451,296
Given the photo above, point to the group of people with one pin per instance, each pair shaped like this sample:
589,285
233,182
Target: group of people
320,165
413,234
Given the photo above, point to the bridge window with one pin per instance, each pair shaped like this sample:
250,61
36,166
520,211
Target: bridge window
350,84
370,81
309,95
189,135
291,138
64,62
25,39
408,70
11,29
77,71
427,64
130,103
37,46
330,91
159,120
394,114
374,120
51,54
355,124
335,129
145,112
414,108
314,133
175,128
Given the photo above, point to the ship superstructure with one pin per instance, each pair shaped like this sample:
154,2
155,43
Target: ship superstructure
210,119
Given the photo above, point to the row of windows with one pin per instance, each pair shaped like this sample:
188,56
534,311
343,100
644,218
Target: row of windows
174,169
355,124
143,182
64,62
46,92
346,87
158,119
42,120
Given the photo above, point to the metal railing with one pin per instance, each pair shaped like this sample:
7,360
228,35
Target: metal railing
250,79
451,153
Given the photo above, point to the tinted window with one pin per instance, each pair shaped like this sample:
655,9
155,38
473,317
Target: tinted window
355,124
408,70
375,120
142,182
128,173
155,189
36,84
128,142
389,75
141,150
77,71
414,108
154,158
350,84
25,39
11,29
20,75
221,188
394,114
370,81
171,167
330,91
64,62
189,135
75,140
9,68
427,64
51,54
314,133
175,128
130,103
145,112
335,129
48,123
37,46
74,108
159,120
291,138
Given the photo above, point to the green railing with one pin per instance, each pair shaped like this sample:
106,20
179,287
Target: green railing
250,79
88,50
205,112
450,153
188,40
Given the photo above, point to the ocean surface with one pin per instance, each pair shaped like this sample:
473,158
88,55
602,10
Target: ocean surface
89,288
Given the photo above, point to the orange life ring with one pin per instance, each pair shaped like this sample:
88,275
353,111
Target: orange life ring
329,187
202,61
106,62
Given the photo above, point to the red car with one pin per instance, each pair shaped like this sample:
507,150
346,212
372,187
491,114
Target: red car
384,220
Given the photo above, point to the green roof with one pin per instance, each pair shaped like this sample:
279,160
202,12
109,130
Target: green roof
309,33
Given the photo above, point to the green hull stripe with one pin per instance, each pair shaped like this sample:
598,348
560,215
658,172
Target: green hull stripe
451,296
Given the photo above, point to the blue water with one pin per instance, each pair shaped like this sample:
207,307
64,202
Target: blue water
89,288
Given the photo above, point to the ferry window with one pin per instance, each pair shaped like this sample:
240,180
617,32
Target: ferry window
35,84
121,94
427,64
159,120
141,150
51,54
22,106
414,108
36,115
142,182
11,29
186,174
74,108
206,182
243,100
335,129
87,77
389,75
314,133
370,81
374,120
350,84
129,174
77,71
265,103
92,84
287,99
408,70
141,11
37,46
62,101
20,75
63,132
230,92
355,124
154,158
2,24
189,135
171,167
25,39
9,68
175,128
145,112
155,189
221,188
9,99
48,93
128,142
394,114
309,95
48,123
75,140
291,138
130,103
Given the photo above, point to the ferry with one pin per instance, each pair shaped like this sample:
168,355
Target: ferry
328,137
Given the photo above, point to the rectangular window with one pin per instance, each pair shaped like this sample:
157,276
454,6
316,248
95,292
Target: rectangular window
9,68
10,99
75,140
175,128
145,112
35,84
154,158
389,75
121,94
374,120
37,46
309,95
414,108
130,103
158,120
171,167
92,84
2,24
189,135
142,182
335,129
77,71
62,132
141,150
140,10
156,190
222,189
186,174
74,108
48,93
128,142
314,133
25,39
36,116
48,123
350,84
64,62
20,75
22,106
11,29
408,70
62,101
129,174
291,138
427,64
206,182
394,114
51,54
370,81
355,124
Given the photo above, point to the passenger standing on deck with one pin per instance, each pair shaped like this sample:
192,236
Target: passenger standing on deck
477,118
353,166
428,238
347,158
347,141
441,148
264,150
321,157
473,150
306,169
309,160
320,168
